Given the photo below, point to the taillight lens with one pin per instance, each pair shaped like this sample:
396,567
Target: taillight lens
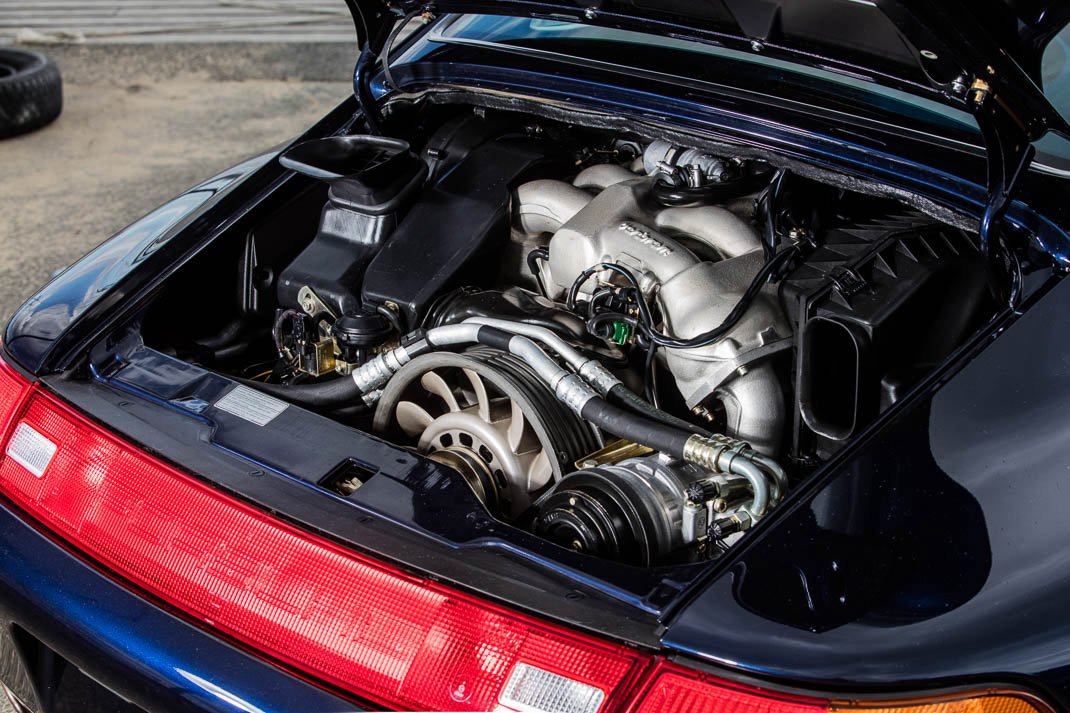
294,597
341,618
677,689
13,389
973,702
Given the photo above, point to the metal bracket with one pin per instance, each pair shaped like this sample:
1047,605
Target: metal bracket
312,304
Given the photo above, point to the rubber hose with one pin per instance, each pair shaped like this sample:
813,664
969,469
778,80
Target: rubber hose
621,395
336,393
638,429
644,428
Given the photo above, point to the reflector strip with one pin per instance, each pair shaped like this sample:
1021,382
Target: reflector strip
534,690
30,449
972,702
675,689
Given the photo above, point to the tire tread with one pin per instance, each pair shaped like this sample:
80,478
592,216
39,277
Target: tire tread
32,97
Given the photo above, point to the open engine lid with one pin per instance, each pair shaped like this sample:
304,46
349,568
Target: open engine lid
942,50
983,56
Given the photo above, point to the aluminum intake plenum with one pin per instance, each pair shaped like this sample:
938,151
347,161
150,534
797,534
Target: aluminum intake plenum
695,261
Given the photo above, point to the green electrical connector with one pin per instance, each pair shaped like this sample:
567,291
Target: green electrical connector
622,332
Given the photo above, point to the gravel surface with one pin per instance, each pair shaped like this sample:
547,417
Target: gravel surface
122,148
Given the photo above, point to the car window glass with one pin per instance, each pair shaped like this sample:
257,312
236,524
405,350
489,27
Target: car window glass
1055,72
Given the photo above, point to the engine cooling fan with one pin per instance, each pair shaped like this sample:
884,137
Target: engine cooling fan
488,416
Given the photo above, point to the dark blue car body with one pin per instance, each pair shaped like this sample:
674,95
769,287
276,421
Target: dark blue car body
928,555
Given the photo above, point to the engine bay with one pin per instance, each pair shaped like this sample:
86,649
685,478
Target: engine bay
631,347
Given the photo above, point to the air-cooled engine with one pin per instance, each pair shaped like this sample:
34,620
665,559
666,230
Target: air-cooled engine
627,346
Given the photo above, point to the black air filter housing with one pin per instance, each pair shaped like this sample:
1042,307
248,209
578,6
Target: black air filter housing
876,306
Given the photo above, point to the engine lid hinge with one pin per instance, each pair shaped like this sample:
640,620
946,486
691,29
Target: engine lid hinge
1009,150
381,31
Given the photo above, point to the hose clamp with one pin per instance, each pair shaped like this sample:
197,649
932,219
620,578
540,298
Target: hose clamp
574,392
374,373
601,378
715,452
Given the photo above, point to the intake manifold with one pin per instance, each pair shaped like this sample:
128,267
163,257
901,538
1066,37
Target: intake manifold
695,262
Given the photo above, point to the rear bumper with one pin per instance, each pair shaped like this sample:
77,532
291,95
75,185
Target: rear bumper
128,646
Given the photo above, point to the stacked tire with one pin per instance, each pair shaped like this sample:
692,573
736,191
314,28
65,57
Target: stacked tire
31,91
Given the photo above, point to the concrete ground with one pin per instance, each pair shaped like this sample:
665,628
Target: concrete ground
174,21
124,144
158,95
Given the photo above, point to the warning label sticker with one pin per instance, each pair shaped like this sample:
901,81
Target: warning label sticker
251,405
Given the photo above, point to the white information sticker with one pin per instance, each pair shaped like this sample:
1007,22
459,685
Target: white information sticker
251,405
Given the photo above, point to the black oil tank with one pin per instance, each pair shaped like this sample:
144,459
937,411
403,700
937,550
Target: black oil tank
372,180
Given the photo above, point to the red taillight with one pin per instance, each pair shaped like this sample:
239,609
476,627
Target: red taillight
337,616
13,388
675,689
292,596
